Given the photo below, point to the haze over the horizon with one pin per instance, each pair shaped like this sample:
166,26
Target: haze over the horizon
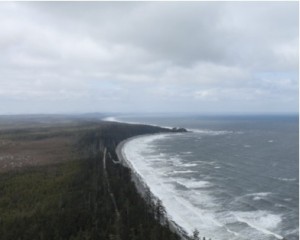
212,57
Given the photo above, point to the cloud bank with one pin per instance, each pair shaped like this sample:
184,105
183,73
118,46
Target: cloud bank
149,57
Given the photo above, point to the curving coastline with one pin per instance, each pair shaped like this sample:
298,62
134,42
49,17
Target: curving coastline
141,178
142,186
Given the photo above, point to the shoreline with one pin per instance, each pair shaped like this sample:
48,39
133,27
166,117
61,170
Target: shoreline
142,186
74,182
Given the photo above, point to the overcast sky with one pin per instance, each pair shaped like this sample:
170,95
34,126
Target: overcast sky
203,57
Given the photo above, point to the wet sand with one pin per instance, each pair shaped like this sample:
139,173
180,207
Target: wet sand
141,185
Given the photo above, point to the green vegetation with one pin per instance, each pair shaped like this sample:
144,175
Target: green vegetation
38,202
82,198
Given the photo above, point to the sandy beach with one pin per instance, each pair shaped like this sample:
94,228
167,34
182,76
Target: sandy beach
142,186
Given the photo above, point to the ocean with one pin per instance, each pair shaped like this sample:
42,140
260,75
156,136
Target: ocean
230,177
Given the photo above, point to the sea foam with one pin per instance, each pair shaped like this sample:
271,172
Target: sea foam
209,132
191,202
179,209
262,221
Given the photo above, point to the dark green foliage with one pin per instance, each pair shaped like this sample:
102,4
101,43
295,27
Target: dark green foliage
195,235
73,200
138,219
37,203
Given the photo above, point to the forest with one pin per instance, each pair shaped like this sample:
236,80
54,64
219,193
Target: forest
64,183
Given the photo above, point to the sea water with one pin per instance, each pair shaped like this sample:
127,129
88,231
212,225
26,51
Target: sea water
229,178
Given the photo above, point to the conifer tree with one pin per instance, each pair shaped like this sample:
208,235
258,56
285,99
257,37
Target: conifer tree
195,235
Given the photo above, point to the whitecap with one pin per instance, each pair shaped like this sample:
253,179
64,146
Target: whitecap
189,164
279,205
262,221
259,195
192,183
187,153
183,171
209,132
287,179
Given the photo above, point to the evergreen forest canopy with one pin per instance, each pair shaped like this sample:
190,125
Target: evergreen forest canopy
60,181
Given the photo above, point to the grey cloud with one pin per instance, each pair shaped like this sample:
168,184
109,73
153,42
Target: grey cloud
125,56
